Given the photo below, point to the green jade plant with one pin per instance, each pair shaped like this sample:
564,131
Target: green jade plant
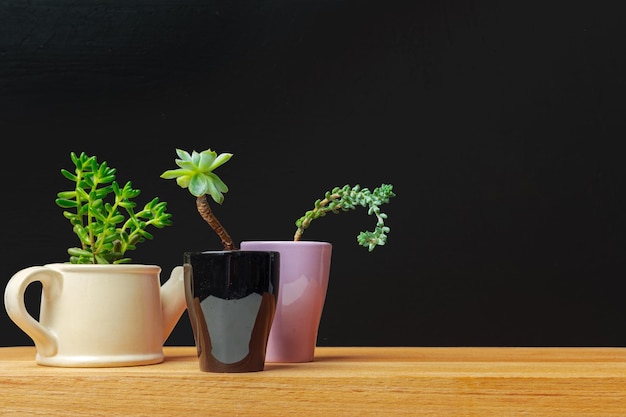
195,172
106,229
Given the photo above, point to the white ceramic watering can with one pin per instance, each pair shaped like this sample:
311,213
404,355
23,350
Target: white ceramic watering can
98,315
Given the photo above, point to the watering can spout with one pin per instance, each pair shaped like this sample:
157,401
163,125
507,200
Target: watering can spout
172,300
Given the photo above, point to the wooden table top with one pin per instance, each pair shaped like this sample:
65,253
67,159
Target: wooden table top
341,381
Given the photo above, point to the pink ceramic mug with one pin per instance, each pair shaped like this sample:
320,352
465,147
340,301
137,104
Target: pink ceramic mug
304,273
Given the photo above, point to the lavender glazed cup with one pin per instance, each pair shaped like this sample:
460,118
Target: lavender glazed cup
304,274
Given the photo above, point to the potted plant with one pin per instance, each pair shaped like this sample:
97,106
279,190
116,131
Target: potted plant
98,309
304,265
305,270
231,294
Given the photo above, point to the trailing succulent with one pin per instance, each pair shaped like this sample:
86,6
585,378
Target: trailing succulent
195,173
103,214
349,198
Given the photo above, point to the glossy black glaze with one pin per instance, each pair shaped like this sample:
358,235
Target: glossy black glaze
244,272
231,301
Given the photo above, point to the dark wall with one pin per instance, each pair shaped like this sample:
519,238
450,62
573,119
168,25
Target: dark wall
498,123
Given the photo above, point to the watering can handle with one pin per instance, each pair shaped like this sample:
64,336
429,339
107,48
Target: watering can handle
45,340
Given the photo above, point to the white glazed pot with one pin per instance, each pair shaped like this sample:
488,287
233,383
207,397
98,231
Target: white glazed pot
98,315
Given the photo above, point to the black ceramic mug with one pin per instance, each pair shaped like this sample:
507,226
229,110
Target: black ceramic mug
231,300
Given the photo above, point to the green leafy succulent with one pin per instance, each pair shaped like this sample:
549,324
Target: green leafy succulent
195,173
106,229
348,198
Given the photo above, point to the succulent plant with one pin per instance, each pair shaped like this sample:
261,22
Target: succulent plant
103,214
348,198
195,173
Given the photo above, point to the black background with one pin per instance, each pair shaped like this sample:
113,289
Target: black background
500,125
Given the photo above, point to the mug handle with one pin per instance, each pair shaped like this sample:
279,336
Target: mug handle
45,339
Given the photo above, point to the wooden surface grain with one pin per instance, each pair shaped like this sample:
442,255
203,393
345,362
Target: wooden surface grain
341,381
